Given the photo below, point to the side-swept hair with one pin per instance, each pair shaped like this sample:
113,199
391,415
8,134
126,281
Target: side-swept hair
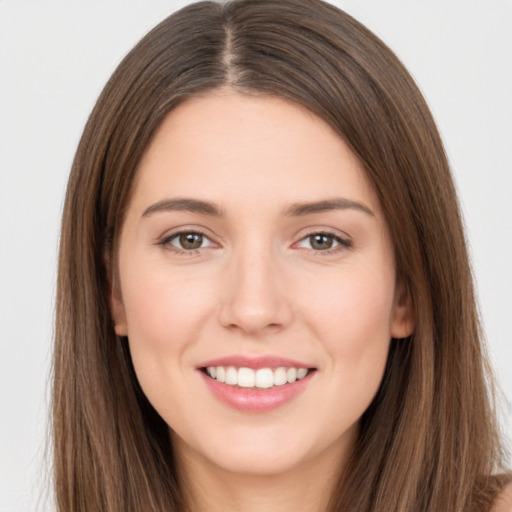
428,442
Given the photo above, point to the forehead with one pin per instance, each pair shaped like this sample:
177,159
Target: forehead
237,148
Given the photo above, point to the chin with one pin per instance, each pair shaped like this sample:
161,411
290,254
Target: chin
264,452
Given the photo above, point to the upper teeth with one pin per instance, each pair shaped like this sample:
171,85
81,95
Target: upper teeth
262,378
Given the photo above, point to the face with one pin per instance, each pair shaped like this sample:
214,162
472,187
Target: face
256,285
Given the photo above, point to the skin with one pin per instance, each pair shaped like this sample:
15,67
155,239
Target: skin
504,501
257,286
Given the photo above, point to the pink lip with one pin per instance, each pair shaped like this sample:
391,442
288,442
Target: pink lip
252,400
254,362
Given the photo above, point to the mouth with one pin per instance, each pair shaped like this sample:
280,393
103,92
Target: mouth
256,384
251,378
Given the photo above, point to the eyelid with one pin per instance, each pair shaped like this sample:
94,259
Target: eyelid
343,241
166,239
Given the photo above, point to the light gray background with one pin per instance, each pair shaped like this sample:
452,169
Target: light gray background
55,57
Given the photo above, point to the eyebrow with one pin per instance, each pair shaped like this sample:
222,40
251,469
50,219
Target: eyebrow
295,210
185,205
338,203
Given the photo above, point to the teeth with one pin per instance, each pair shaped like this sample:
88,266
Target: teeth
221,374
263,378
291,374
301,373
280,376
246,378
231,376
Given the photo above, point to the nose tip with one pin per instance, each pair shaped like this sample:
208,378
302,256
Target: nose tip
250,319
254,300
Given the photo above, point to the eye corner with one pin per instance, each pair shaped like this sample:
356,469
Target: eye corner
323,242
186,241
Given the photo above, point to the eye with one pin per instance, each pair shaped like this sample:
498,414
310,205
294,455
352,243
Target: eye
187,241
323,242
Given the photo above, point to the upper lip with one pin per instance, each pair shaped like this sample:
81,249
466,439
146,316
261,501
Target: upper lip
254,362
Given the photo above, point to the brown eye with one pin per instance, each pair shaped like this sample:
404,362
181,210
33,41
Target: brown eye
324,242
187,242
321,242
190,241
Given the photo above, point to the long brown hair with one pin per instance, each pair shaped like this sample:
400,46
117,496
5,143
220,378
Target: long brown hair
429,441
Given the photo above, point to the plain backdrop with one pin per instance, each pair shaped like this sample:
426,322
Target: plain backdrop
55,56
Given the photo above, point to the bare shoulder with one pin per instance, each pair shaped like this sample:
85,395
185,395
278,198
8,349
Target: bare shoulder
503,502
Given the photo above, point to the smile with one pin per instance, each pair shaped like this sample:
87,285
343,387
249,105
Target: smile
256,384
262,378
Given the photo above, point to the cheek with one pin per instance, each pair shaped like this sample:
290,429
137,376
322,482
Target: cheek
351,316
162,308
163,314
354,299
353,326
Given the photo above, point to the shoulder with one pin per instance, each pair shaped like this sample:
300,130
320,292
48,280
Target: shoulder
503,502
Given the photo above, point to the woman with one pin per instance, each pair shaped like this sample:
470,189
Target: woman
264,297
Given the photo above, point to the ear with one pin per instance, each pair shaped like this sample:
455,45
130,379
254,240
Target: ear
402,320
115,298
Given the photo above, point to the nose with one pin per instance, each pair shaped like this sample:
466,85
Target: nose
254,300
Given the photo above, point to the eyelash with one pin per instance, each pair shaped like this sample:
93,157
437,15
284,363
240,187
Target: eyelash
166,242
342,243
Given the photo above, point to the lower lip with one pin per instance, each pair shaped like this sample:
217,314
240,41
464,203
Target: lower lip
256,400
